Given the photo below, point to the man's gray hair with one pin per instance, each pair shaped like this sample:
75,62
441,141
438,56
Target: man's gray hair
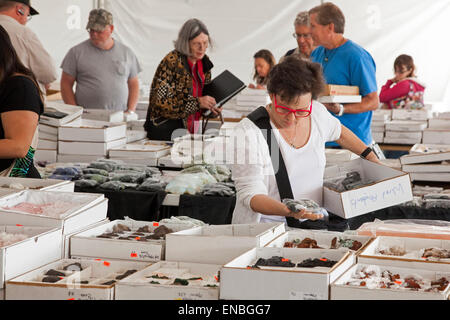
190,29
302,19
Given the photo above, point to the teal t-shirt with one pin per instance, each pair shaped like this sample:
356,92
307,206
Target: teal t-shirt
350,65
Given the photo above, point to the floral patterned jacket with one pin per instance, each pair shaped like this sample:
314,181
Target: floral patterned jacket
171,91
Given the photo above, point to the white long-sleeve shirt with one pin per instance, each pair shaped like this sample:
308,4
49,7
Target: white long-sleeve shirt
30,50
253,171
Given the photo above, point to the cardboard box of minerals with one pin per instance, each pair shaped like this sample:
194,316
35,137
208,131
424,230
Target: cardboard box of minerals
414,253
58,113
92,131
319,239
71,279
386,187
421,153
37,184
171,281
70,211
34,247
124,239
241,280
373,282
68,236
219,244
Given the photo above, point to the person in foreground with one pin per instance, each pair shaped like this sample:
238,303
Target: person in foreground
176,94
298,127
21,104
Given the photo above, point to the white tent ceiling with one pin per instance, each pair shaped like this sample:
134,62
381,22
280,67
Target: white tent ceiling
240,28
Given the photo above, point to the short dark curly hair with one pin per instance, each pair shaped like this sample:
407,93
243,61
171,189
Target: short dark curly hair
294,77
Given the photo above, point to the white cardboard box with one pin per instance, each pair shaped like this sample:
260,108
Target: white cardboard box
430,168
73,112
92,131
381,115
276,283
392,187
407,141
43,128
405,125
412,259
340,291
103,115
339,99
29,286
87,209
430,176
136,135
323,239
89,148
436,136
443,124
48,136
421,153
413,135
67,237
45,155
47,144
39,184
408,114
145,161
86,243
77,158
135,150
42,246
138,286
219,244
378,137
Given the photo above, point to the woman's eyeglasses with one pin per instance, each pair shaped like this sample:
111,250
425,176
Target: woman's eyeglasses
297,112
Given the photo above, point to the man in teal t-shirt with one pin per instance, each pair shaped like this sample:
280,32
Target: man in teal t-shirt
344,63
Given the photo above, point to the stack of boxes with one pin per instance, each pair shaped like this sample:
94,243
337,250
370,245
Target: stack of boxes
88,140
245,102
407,126
378,126
427,163
55,115
438,131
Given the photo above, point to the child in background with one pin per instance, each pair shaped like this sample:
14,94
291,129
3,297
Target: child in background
404,91
264,62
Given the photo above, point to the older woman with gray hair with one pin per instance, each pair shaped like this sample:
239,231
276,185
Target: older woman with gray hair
303,36
176,99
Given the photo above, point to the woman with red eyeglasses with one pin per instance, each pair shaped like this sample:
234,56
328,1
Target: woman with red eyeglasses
295,127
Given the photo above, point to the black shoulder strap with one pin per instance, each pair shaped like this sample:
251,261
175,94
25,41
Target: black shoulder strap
260,117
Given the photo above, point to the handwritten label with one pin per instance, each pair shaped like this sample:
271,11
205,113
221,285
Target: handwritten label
368,199
296,295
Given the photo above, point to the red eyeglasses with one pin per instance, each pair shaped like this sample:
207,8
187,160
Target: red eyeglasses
297,112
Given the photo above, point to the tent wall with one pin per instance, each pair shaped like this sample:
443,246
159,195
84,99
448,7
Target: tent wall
240,28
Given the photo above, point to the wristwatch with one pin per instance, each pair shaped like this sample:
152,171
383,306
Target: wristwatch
366,152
